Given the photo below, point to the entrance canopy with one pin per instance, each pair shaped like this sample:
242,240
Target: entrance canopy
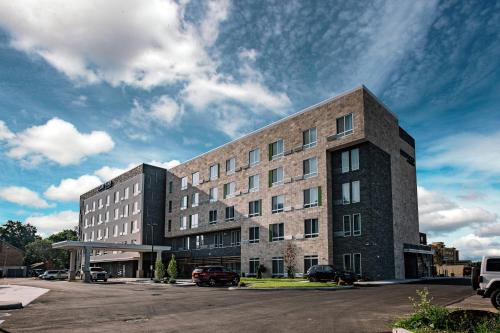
77,245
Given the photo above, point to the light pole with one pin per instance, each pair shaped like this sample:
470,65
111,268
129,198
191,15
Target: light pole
152,225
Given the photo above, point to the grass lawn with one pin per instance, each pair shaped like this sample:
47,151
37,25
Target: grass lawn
284,283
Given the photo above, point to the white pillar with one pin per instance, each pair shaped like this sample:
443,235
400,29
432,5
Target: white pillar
72,262
86,265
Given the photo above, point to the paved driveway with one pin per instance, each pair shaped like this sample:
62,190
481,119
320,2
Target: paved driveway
77,307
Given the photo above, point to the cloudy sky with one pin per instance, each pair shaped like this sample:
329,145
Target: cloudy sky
91,88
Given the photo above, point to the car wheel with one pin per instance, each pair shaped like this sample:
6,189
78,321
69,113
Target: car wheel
336,279
313,279
199,284
51,278
105,280
235,281
495,299
212,282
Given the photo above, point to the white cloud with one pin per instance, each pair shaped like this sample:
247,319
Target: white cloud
249,54
5,133
163,110
107,173
52,223
438,214
57,141
165,165
474,247
70,189
23,196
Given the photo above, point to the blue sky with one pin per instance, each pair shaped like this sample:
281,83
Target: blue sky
90,88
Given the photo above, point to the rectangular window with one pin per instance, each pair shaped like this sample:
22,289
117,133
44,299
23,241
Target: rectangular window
92,236
108,200
99,234
346,193
253,183
93,220
276,176
277,204
311,228
355,159
350,160
86,223
254,208
355,191
136,188
86,208
253,266
170,186
311,197
230,166
117,213
214,172
193,221
107,217
169,226
219,239
235,237
356,258
229,213
253,234
184,202
310,261
99,220
493,265
100,204
195,197
309,138
125,211
344,125
187,243
356,224
115,231
310,167
212,216
345,161
254,157
199,241
184,183
346,220
278,267
170,206
347,262
136,207
106,233
127,190
276,149
195,179
117,196
277,232
183,223
134,227
213,194
93,206
125,228
229,190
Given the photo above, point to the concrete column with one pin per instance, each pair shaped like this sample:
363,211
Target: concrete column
140,270
72,264
86,265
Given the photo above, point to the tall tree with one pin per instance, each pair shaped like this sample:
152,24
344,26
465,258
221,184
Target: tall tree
18,234
66,234
41,250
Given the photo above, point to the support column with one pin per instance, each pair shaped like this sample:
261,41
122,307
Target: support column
140,270
72,264
86,265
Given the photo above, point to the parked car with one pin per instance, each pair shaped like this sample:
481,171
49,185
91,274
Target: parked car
486,279
96,274
54,275
214,275
329,273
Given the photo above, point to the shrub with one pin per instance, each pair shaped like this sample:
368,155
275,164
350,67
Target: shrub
159,270
172,268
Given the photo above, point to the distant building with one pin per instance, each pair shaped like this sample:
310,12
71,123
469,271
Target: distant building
443,254
11,261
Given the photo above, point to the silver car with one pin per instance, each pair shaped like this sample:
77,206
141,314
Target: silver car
54,275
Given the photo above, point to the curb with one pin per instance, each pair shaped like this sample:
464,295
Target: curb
10,306
288,289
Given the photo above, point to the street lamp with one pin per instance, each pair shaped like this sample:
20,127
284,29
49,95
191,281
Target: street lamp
152,225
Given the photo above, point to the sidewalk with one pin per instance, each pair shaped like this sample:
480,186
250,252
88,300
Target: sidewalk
13,295
474,302
457,280
179,282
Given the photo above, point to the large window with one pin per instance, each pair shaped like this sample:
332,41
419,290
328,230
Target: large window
347,262
253,183
127,190
254,157
184,202
310,261
310,167
254,208
117,196
276,149
230,166
493,265
229,190
346,193
200,241
229,213
312,197
195,199
184,183
346,220
311,228
344,125
213,194
277,204
235,237
355,192
100,203
356,258
350,160
212,216
195,178
214,171
125,211
136,189
309,138
276,176
183,223
276,232
253,234
193,221
278,267
219,239
356,225
253,266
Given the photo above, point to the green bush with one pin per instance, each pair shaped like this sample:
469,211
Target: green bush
159,270
172,268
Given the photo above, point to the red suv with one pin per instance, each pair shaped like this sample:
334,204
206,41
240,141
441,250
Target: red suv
214,275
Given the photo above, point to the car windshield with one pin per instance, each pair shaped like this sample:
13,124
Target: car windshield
198,270
52,272
96,269
328,269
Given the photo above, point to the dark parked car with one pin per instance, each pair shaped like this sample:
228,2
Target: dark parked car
214,275
329,273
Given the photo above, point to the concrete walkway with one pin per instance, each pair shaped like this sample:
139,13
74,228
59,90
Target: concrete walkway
12,294
474,302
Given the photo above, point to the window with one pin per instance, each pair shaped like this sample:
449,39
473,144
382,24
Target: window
195,199
187,242
276,232
278,204
212,216
169,226
229,213
93,206
127,190
346,194
309,138
312,197
229,190
214,172
253,266
356,258
345,161
106,233
115,231
117,196
355,191
86,208
311,228
254,157
199,241
108,199
253,234
213,194
195,179
355,159
136,188
184,202
170,206
276,176
134,227
86,225
310,167
346,220
93,220
170,186
125,228
344,125
493,265
117,213
193,221
92,236
100,204
350,160
278,267
99,234
310,261
276,149
254,208
99,221
347,262
356,224
184,183
125,211
107,217
136,208
230,166
253,183
183,223
235,237
219,239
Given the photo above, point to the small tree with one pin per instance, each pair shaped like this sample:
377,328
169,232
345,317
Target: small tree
172,268
159,270
289,256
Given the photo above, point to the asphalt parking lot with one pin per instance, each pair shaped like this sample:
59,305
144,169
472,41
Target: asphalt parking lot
78,307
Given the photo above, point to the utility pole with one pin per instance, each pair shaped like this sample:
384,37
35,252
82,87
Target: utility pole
152,249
